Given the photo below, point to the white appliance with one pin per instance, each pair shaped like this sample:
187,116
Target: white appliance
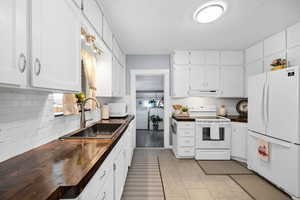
118,109
274,118
213,134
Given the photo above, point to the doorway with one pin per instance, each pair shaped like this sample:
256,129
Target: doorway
150,102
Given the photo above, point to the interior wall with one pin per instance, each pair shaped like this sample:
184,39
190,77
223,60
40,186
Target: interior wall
27,121
145,62
230,103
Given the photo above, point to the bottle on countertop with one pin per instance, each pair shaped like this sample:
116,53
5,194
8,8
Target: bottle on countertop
222,110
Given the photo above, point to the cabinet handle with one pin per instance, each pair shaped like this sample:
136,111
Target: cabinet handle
103,175
104,196
37,67
22,63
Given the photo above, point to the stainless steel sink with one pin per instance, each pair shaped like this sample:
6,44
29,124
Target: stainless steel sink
96,131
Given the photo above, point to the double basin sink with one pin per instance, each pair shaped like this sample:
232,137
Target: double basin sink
96,131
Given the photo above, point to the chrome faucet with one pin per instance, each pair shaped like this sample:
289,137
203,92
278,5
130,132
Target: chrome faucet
82,116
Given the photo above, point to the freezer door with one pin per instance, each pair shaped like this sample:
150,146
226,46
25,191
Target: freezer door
283,104
257,103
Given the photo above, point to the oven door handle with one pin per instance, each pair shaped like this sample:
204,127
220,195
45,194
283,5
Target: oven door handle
209,124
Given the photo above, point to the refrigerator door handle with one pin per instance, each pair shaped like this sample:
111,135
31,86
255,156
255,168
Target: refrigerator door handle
268,103
264,104
271,140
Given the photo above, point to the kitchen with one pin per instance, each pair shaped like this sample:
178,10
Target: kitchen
69,108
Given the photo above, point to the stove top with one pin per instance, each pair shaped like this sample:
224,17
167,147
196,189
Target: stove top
211,119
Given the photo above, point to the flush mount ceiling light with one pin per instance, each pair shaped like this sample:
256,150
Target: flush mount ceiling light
209,12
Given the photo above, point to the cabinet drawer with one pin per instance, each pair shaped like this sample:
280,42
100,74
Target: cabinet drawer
186,133
186,125
186,142
186,152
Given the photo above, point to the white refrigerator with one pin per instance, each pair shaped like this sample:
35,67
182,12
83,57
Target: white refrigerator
274,114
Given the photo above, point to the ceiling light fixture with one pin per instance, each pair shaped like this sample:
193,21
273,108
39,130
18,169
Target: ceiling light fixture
209,12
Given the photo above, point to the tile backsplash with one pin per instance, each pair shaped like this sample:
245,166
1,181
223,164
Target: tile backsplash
230,103
27,121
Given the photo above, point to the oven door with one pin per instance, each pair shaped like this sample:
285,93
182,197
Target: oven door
213,135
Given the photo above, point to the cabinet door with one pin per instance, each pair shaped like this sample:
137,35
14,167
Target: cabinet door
107,192
275,44
197,57
122,80
197,74
252,69
232,58
119,175
13,48
293,38
104,73
56,45
115,78
181,57
107,33
254,53
232,81
93,12
293,56
180,80
212,78
239,140
212,57
236,145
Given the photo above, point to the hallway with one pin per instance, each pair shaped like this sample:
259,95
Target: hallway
145,138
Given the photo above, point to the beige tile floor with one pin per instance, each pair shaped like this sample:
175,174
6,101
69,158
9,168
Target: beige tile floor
184,179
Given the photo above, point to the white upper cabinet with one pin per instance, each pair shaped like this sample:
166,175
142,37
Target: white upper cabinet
293,36
107,33
293,56
13,48
93,13
212,57
275,44
181,58
254,53
232,58
252,69
56,45
204,78
232,81
212,78
116,78
197,77
180,80
197,57
104,73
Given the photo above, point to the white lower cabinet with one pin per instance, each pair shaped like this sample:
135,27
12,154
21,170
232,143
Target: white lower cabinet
109,180
239,141
184,140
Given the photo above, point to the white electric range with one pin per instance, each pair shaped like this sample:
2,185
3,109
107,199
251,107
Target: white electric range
213,134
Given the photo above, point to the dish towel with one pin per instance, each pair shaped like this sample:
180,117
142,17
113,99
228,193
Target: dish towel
214,132
263,150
